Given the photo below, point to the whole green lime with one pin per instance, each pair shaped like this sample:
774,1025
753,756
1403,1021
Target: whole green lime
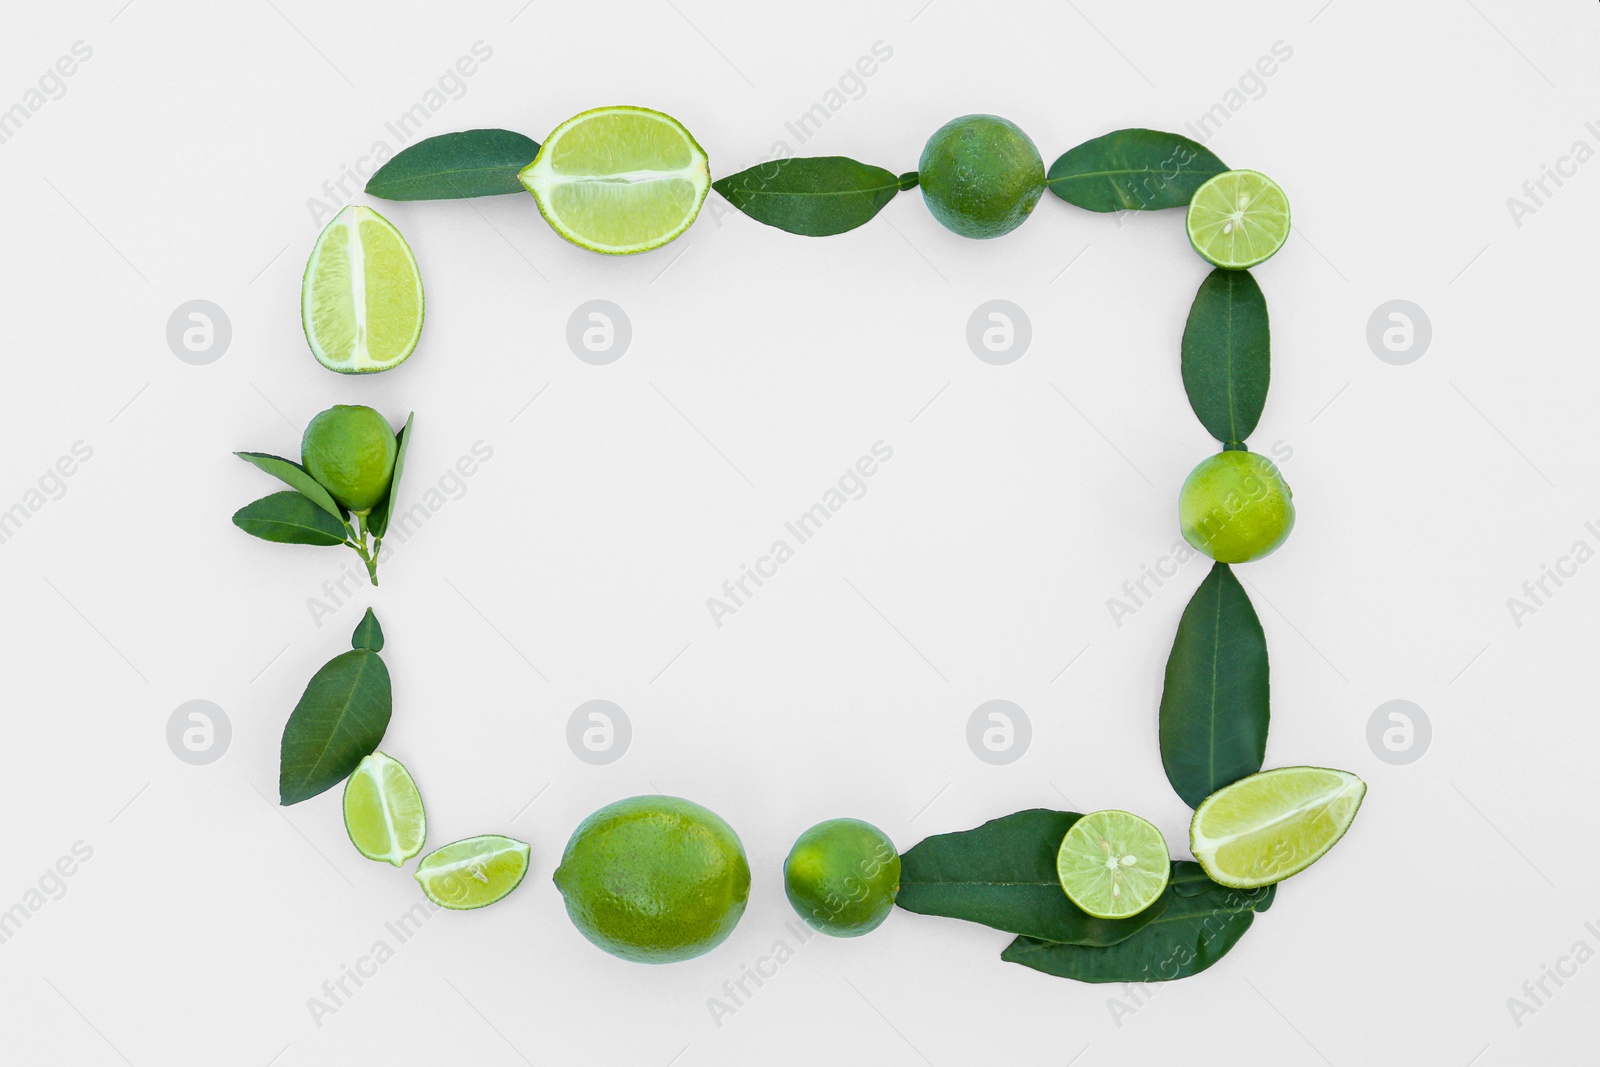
654,879
1235,507
980,176
842,876
350,450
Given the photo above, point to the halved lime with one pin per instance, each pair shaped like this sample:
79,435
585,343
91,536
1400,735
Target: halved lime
1238,219
1263,828
619,179
383,811
473,873
1113,864
361,299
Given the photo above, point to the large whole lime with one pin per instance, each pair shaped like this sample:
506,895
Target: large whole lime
654,879
842,876
1235,507
980,176
350,449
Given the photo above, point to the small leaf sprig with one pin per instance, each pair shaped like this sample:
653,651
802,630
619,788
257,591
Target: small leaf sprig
339,720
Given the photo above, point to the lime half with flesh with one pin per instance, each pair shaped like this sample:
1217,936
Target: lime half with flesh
383,811
619,180
473,873
1263,828
361,299
1113,864
1238,219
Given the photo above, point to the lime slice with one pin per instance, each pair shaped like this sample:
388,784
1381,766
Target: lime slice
361,299
1238,219
1263,828
473,873
383,811
1113,864
619,179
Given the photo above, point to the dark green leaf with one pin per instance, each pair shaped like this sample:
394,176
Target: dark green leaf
1189,879
453,166
1003,874
339,721
378,520
1227,354
1214,706
289,518
1196,930
1133,170
368,633
293,474
814,197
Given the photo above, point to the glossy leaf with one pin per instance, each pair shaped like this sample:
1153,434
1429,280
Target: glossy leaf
339,720
368,633
289,518
453,166
1133,170
1227,355
297,477
1214,705
1003,874
1196,929
378,520
814,197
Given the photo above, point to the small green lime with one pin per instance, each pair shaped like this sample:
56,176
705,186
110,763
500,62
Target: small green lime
350,449
1235,507
654,879
980,176
842,876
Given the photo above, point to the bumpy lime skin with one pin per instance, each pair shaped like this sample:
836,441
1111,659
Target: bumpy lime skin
981,176
1235,507
842,876
350,449
654,879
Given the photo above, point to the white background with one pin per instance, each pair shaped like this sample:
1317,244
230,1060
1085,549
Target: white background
178,165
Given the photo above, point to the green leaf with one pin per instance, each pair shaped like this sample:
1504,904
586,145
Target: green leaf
289,518
1196,930
1227,354
453,166
814,197
339,721
1003,874
1133,170
368,633
378,520
294,475
1214,706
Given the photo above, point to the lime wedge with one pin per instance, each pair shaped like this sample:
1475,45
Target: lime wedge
1113,864
1238,219
1263,828
619,179
473,873
361,299
383,811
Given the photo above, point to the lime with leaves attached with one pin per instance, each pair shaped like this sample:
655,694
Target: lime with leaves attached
350,449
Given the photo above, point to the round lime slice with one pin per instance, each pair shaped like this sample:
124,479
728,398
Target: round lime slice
473,873
361,298
383,811
619,180
1238,219
1113,864
1263,828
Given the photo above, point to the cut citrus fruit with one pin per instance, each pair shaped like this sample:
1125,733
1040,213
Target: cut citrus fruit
1238,219
361,299
1263,828
473,873
1113,864
619,179
383,811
